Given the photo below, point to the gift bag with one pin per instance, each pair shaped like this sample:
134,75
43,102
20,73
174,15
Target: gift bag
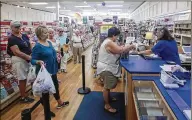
31,75
43,83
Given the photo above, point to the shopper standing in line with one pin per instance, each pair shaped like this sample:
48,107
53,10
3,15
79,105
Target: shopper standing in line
108,65
56,46
77,46
19,49
44,54
62,38
166,47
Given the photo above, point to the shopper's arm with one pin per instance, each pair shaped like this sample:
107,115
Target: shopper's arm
116,49
146,52
17,52
35,56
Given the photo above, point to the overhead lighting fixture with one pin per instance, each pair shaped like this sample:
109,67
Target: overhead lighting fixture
65,10
88,10
119,2
114,5
23,7
51,7
18,6
85,2
115,9
39,3
82,6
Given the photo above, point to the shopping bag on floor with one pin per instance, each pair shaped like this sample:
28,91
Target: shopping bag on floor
31,75
43,83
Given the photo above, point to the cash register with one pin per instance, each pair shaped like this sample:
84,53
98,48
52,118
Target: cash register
186,56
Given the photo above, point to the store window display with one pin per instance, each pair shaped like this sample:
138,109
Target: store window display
44,54
108,64
166,47
19,48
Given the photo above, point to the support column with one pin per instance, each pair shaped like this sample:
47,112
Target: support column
57,11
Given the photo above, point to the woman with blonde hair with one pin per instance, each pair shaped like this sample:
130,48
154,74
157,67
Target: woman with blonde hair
44,54
56,45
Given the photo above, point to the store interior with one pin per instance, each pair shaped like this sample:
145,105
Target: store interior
145,90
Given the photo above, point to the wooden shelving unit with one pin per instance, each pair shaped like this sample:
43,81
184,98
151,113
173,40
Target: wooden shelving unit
182,32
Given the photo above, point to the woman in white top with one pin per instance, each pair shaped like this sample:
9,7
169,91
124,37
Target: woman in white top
77,46
56,45
108,64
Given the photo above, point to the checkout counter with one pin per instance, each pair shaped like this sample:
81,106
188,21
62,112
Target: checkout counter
144,75
185,57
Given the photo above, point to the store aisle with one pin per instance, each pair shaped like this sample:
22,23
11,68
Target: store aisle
70,82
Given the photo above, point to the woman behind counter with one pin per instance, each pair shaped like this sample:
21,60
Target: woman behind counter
166,47
44,53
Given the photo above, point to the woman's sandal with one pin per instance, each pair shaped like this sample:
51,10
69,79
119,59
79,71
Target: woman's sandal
110,110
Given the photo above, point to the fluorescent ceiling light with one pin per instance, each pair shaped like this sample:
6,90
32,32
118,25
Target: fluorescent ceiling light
89,10
115,9
65,10
114,5
114,1
85,2
39,3
51,7
82,6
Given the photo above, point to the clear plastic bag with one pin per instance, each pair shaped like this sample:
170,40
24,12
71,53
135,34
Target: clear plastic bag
31,75
43,83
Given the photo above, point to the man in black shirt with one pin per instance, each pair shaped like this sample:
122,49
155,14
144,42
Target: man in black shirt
19,49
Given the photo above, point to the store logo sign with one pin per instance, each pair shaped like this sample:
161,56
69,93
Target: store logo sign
107,20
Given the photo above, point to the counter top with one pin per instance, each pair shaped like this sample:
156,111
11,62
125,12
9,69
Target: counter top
184,92
137,64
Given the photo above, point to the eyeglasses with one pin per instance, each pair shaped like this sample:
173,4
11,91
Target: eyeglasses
17,27
61,31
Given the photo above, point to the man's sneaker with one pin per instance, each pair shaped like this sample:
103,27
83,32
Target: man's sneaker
63,105
27,100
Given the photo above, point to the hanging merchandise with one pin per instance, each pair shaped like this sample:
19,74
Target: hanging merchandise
84,19
115,19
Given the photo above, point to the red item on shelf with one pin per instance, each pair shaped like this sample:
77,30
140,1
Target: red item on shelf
49,23
5,23
35,23
24,23
7,85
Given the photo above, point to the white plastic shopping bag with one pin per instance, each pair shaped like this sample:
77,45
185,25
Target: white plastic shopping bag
43,83
31,75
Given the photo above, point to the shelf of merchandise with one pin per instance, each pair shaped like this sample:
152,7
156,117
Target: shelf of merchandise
182,32
11,82
11,98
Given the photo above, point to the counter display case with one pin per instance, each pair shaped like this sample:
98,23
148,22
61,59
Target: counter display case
149,104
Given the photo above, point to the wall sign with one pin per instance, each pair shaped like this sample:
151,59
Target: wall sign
90,17
115,18
107,20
